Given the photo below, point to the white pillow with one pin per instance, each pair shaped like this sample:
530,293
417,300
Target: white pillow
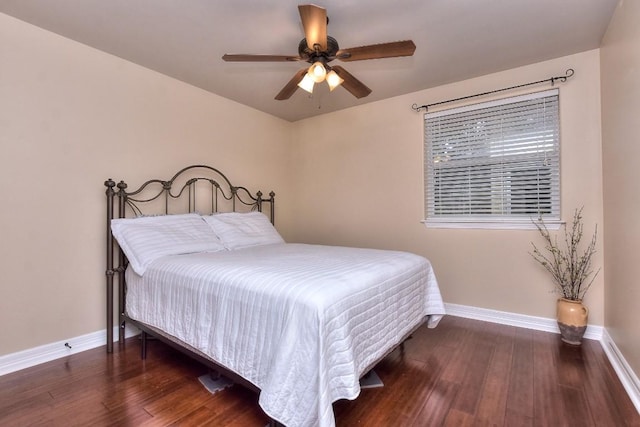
145,239
240,230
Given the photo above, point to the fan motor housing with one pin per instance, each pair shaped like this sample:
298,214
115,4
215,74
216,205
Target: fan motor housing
311,55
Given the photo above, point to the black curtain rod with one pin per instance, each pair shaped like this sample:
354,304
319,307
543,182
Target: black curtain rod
552,80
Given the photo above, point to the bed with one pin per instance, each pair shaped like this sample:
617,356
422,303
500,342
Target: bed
211,276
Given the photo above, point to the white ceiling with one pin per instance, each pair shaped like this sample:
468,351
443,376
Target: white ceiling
455,39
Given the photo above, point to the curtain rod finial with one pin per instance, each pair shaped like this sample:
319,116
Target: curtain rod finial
417,109
564,78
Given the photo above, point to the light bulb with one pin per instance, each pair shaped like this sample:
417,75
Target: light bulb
334,80
307,83
317,72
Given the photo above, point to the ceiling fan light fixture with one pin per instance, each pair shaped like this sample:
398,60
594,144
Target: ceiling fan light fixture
334,80
317,72
307,83
319,49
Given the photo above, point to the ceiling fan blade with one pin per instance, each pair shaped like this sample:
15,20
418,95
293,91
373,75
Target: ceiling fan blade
377,51
259,58
353,85
314,22
291,86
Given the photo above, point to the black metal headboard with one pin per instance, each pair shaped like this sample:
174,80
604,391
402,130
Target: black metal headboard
194,188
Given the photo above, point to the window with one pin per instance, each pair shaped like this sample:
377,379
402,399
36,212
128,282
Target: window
494,163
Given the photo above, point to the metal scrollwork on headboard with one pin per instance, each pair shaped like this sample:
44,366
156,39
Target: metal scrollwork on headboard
219,189
182,186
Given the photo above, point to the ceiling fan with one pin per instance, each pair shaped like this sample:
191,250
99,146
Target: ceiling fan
318,49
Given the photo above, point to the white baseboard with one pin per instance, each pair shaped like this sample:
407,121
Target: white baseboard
628,378
545,324
45,353
37,355
48,352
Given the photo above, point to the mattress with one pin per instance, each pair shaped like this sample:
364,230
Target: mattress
300,322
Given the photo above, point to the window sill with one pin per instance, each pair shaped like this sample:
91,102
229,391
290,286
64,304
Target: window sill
491,225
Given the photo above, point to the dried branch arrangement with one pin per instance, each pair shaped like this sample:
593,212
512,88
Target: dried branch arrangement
569,266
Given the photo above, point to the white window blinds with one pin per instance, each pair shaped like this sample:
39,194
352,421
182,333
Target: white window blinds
494,161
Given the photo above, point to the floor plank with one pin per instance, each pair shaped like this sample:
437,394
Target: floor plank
463,373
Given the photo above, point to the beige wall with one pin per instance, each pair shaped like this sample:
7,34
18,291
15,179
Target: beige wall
620,67
360,184
71,117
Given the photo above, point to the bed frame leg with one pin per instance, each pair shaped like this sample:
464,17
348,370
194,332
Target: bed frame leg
214,374
402,346
143,345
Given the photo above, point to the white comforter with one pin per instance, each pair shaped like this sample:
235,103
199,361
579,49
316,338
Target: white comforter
301,322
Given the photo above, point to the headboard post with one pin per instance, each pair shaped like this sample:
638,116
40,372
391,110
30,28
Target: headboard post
122,204
109,270
259,200
272,204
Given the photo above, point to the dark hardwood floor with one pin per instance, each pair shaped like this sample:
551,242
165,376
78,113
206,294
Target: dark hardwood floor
463,373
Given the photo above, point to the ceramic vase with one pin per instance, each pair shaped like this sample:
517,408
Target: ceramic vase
572,320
